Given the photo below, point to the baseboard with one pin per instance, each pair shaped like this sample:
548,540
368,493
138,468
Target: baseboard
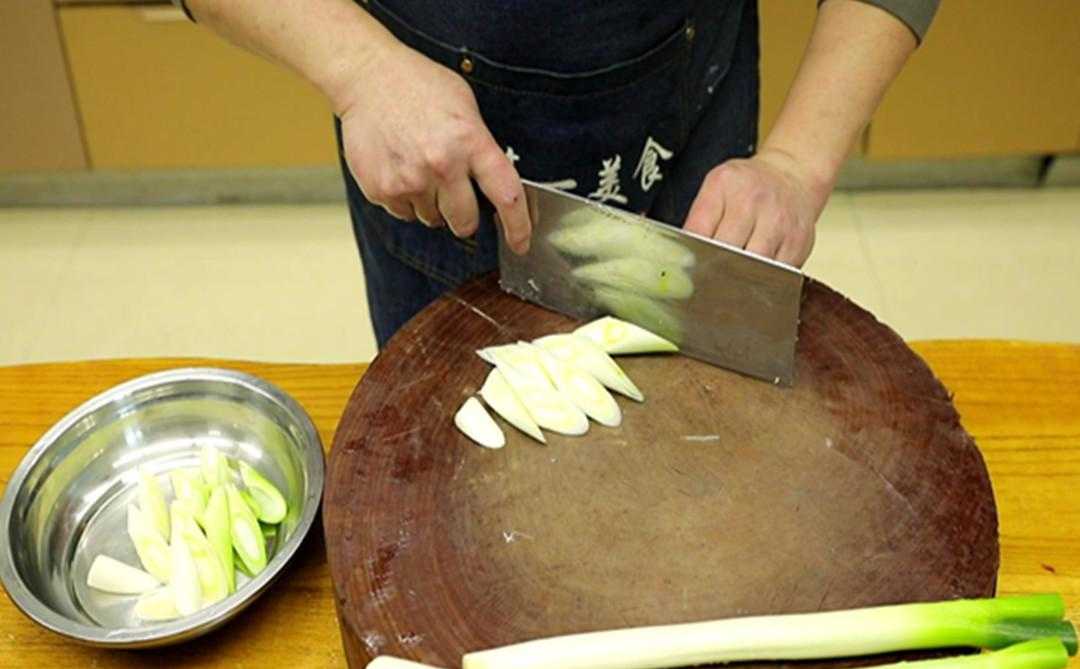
299,185
174,187
1012,172
1064,171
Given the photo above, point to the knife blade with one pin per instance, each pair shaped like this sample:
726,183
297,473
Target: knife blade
719,303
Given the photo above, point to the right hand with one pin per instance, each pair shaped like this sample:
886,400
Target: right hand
414,141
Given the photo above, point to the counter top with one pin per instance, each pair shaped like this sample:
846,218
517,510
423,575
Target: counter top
1020,401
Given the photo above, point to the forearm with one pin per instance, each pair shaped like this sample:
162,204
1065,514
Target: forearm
855,52
329,42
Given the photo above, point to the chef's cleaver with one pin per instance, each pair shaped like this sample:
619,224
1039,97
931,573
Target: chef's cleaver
719,303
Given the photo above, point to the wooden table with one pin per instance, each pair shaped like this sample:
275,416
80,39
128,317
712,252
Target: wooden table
1020,401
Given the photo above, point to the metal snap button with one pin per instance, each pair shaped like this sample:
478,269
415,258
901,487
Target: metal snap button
467,65
690,32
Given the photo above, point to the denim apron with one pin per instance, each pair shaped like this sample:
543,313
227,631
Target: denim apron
627,107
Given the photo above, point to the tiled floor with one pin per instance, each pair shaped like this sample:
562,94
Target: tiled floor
284,282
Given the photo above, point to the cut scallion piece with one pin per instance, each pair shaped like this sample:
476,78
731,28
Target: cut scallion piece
619,337
213,582
152,502
267,502
216,521
986,623
246,536
215,468
152,548
188,486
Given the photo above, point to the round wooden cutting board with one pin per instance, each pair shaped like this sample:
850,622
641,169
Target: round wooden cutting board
718,496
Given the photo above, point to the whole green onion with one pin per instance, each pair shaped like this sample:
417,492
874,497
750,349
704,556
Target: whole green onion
980,623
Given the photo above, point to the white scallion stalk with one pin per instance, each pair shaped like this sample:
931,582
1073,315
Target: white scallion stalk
216,521
270,505
157,605
477,424
992,624
582,388
549,408
1036,654
214,466
498,395
652,314
600,240
586,355
213,582
152,501
111,575
188,486
667,282
151,547
619,337
522,358
184,583
244,528
388,662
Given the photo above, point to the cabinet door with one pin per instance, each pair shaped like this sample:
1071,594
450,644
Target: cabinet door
994,77
39,129
785,30
155,90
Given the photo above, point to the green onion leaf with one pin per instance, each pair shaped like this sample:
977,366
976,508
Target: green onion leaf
1036,654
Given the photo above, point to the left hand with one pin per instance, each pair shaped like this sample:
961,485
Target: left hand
767,204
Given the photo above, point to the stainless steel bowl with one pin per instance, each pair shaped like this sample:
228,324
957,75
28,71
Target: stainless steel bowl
67,500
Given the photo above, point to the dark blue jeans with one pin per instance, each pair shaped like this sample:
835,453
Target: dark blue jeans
641,134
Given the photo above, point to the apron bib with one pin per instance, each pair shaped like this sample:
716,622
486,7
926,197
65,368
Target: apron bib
632,134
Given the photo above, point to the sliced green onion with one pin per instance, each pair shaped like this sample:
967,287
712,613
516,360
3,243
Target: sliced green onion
619,337
213,581
477,424
498,395
269,505
549,408
602,240
151,547
152,501
1036,654
582,388
240,566
110,575
188,486
246,535
157,605
521,358
583,353
640,276
987,623
653,314
185,582
216,521
215,468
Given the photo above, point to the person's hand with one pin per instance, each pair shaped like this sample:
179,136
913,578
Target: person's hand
413,138
767,204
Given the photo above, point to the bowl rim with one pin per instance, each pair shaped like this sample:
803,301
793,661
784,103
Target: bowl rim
210,617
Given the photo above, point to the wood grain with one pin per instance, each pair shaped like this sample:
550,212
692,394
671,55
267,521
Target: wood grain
719,496
1020,401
